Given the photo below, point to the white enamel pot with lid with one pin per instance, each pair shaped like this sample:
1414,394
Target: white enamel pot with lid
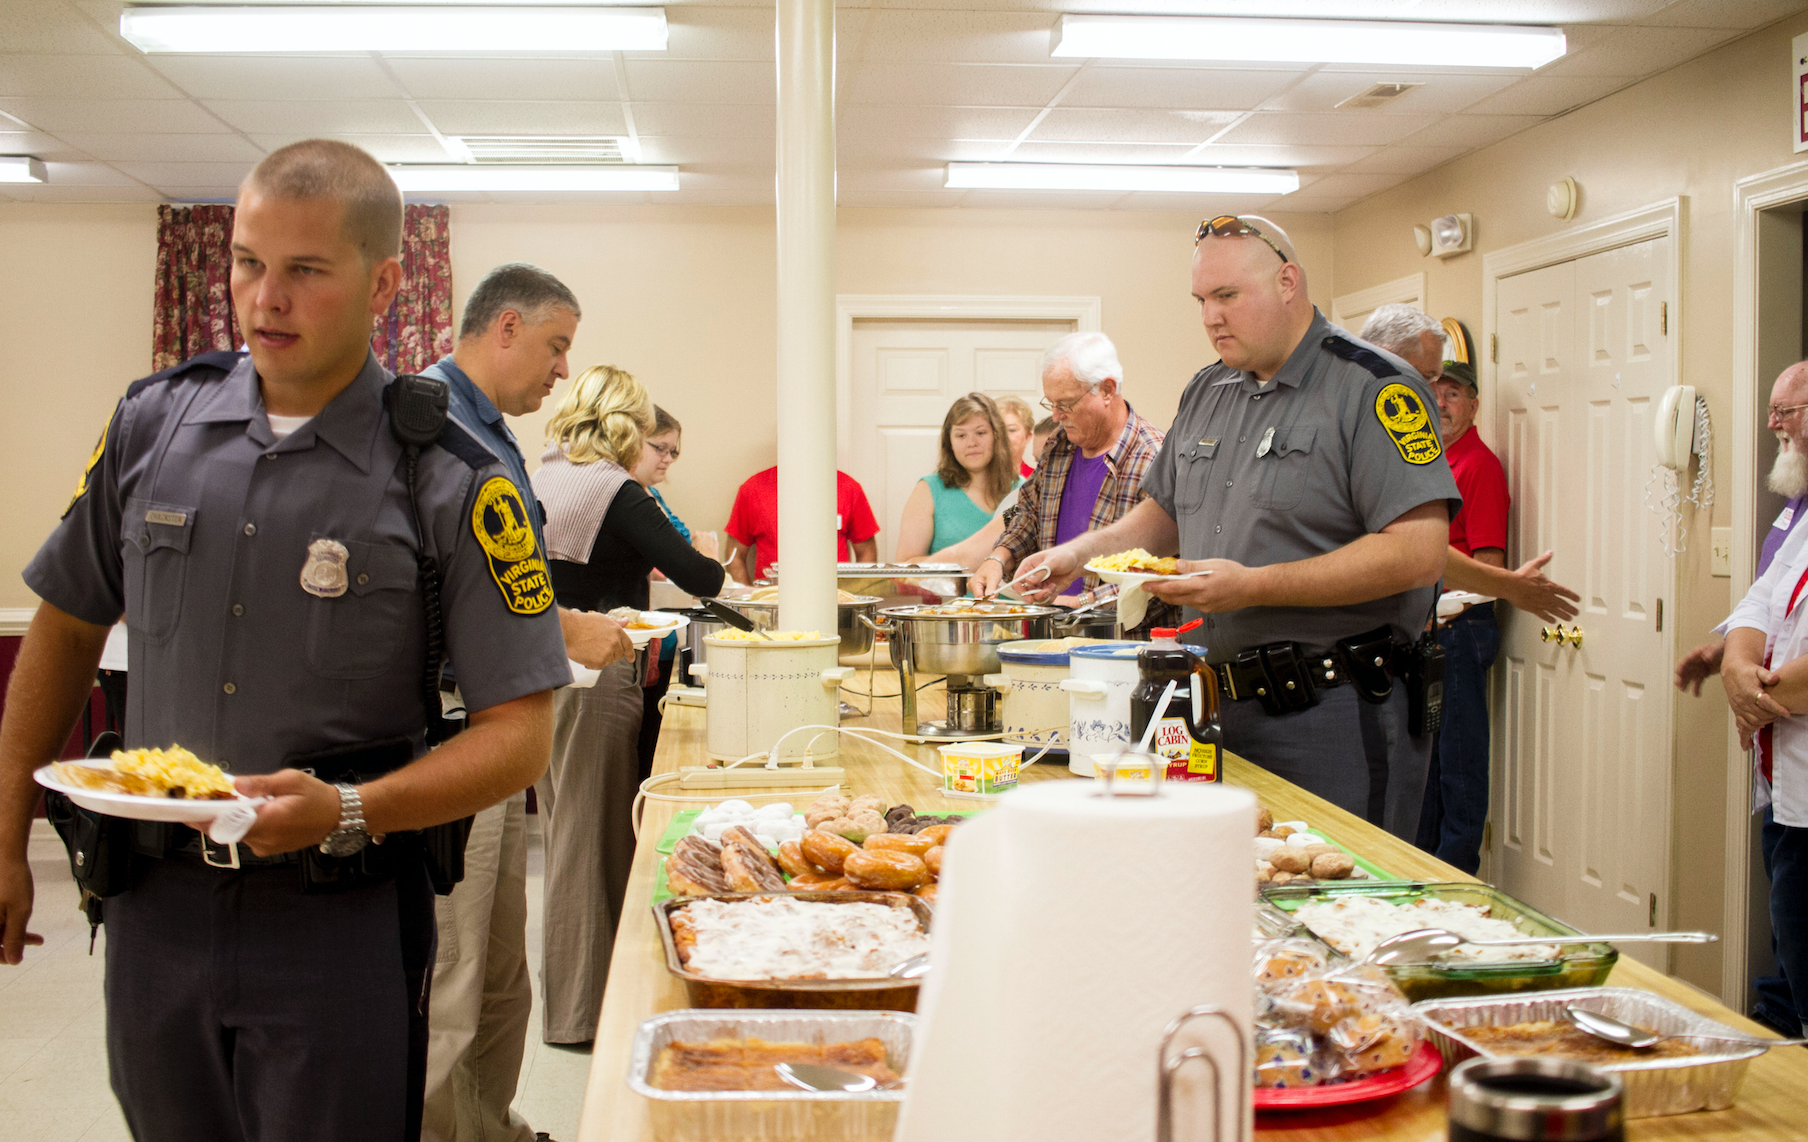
1034,709
1101,678
757,691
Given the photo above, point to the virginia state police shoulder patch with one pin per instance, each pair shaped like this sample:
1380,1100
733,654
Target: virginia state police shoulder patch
1404,417
503,529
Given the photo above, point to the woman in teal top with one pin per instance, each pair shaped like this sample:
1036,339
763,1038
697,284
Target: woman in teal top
960,499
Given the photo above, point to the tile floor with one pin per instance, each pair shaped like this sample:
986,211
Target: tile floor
53,1056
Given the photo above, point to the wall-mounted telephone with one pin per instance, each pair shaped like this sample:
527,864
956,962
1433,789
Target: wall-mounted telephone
1680,431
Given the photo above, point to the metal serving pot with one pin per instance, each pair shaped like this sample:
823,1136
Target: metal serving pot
703,624
930,640
856,636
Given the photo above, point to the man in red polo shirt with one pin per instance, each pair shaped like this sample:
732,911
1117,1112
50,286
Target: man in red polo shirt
753,525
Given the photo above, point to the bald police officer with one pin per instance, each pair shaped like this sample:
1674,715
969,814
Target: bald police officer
1304,474
252,518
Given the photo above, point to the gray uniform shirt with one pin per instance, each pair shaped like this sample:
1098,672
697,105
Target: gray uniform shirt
195,522
1342,441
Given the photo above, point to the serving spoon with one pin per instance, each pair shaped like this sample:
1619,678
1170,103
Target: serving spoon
834,1080
1420,946
1626,1035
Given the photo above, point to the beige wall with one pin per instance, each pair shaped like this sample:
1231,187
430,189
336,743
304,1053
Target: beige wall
1692,131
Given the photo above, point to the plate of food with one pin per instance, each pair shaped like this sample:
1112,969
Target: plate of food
645,626
1135,567
147,785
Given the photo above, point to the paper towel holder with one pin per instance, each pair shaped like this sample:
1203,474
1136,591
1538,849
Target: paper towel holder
1168,1065
1157,773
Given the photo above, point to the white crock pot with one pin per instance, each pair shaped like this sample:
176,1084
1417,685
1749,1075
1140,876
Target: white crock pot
1101,678
1034,709
758,691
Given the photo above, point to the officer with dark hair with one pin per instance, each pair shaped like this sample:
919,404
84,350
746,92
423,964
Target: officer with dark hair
272,544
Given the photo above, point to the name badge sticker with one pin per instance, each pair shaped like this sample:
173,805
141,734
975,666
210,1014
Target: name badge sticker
1784,519
173,519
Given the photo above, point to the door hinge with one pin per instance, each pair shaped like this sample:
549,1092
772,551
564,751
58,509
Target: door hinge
1663,318
1660,616
1494,348
1653,916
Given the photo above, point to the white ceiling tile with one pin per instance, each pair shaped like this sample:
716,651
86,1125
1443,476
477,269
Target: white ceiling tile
1304,158
860,198
37,26
276,77
708,120
1722,13
154,116
316,116
1174,87
959,36
961,85
542,117
1372,128
39,146
1131,126
1441,94
1639,51
552,79
1355,185
188,174
81,77
665,150
1315,204
1404,160
146,148
716,33
1548,95
1470,130
852,152
936,122
1035,152
1041,200
689,81
1204,205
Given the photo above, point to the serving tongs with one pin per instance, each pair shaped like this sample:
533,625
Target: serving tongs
733,617
1039,575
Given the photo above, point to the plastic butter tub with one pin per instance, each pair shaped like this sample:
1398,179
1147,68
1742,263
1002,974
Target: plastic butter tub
979,769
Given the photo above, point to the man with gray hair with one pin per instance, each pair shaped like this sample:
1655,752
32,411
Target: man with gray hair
1092,471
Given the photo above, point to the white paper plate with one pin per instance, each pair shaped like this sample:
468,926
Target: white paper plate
1138,578
668,621
142,808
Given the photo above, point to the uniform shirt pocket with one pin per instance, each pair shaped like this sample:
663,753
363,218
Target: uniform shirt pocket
154,548
1192,475
360,633
1286,468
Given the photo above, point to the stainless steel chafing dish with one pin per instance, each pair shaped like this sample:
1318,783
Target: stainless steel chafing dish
959,639
856,636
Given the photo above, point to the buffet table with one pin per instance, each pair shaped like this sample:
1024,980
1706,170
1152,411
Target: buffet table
1773,1103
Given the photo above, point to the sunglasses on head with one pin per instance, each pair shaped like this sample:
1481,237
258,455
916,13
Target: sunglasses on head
1230,226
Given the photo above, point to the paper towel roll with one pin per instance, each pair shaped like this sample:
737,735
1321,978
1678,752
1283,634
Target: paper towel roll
1070,930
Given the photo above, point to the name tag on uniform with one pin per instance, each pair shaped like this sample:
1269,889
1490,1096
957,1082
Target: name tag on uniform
174,519
1263,448
1208,448
1783,520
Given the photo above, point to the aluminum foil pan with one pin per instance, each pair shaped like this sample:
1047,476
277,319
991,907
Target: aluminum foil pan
771,1116
1708,1081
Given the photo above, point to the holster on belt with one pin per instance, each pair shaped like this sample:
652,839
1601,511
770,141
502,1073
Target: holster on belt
441,847
1286,677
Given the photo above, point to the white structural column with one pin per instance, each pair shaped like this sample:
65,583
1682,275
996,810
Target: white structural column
806,315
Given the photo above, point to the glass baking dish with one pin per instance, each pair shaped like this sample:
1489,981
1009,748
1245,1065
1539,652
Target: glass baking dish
1581,964
771,1116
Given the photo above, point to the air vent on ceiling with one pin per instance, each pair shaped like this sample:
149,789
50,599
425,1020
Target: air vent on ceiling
1379,95
545,149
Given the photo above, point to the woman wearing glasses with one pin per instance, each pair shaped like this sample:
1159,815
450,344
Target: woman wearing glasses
959,501
604,534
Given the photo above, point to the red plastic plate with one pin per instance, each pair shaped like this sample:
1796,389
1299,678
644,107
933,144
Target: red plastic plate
1425,1063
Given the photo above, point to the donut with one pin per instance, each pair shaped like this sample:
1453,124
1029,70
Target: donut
916,844
884,869
827,850
791,859
933,858
937,834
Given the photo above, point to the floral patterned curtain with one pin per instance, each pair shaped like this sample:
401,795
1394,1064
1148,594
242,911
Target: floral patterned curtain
194,314
193,311
417,330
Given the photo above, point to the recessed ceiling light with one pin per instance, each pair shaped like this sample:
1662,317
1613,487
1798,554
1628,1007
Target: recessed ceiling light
1228,39
293,28
21,168
504,178
1108,176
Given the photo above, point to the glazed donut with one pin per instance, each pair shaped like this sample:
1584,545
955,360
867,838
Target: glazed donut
928,891
933,858
885,869
827,850
916,844
937,834
791,859
1333,866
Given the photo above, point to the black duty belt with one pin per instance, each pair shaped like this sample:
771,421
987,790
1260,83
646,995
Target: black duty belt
1285,677
199,848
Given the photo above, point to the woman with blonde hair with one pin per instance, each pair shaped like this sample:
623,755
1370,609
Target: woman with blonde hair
961,498
604,535
1020,426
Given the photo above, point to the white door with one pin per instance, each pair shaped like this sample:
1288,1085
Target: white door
1583,738
907,373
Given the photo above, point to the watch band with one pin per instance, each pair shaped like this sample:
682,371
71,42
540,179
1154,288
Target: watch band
349,835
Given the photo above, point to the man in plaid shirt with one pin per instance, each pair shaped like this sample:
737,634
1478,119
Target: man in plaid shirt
1091,471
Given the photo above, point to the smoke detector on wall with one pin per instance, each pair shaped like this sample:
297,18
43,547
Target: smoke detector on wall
1563,198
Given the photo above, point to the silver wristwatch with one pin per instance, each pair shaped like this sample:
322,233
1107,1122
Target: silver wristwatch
350,835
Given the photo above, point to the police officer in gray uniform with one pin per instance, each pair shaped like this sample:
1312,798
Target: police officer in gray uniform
1304,472
268,539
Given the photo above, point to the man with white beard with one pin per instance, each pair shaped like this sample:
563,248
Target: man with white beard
1754,687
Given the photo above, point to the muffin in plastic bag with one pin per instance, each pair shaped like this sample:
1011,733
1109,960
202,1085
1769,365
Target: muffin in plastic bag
1319,1022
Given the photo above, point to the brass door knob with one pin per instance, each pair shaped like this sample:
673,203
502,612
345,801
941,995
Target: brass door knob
1574,637
1546,634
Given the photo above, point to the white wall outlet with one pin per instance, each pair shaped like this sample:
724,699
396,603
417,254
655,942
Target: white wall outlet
1723,553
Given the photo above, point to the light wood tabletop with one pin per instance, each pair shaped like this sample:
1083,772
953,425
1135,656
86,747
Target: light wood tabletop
1772,1106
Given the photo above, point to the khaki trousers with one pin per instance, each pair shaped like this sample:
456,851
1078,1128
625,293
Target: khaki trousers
482,996
586,800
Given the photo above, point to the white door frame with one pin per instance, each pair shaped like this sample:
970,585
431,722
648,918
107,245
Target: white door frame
1409,290
1087,314
1668,218
1751,195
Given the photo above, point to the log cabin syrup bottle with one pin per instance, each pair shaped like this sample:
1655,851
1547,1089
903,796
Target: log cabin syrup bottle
1188,736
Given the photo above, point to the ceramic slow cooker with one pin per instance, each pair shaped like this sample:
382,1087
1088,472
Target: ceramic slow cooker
1035,707
1101,678
757,691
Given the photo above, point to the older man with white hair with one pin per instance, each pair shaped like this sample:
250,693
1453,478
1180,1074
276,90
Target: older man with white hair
1091,474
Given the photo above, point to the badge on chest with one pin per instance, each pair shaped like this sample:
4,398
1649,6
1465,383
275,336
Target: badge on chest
323,575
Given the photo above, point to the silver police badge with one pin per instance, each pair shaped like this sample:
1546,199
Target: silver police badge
323,575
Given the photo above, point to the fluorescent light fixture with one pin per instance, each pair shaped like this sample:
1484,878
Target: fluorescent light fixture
503,179
1237,40
411,28
1080,176
21,168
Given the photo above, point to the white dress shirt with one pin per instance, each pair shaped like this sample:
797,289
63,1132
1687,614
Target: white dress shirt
1766,608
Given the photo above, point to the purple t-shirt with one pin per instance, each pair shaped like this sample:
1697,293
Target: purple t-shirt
1084,479
1787,521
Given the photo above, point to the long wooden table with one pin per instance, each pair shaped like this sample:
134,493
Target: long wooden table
1773,1105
